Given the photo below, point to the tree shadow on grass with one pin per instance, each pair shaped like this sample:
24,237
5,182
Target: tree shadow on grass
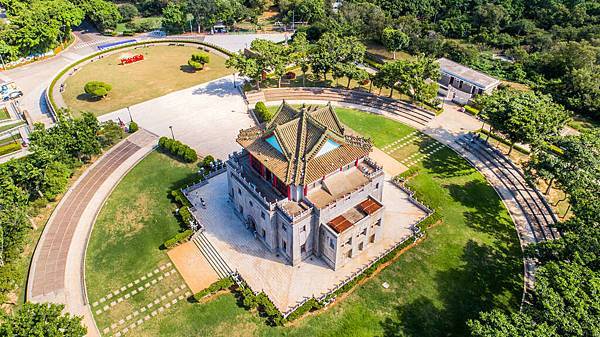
485,278
446,164
485,210
187,69
88,98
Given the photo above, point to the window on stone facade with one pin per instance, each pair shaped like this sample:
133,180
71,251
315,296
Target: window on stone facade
262,215
349,242
283,227
349,253
251,204
284,245
377,186
372,238
239,191
303,249
364,232
303,229
331,243
264,234
361,246
378,222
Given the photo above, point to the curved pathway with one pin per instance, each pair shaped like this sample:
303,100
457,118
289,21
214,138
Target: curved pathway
57,268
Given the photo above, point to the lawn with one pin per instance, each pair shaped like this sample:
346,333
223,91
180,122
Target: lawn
4,113
154,21
471,261
163,70
7,127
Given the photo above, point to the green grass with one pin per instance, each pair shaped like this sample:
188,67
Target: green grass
469,262
4,113
10,126
163,70
155,20
135,221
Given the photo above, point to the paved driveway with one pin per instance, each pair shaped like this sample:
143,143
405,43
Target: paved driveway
207,117
239,42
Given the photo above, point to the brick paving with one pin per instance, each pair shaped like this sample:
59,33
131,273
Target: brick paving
49,272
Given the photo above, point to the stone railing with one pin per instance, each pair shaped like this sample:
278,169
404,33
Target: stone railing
411,196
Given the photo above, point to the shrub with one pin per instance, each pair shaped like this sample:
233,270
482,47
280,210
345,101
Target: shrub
186,215
262,113
206,161
9,148
180,198
97,88
290,75
178,239
133,127
471,110
110,133
199,60
221,284
178,149
310,305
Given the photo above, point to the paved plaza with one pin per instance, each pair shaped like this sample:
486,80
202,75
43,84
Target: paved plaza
262,270
206,117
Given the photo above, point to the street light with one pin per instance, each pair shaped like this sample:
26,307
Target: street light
172,135
129,112
234,80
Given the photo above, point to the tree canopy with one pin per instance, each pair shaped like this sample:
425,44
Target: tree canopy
42,320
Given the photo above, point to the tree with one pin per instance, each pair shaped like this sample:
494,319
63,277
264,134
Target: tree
394,40
97,89
302,10
334,51
110,133
128,11
199,60
300,53
270,56
105,15
523,116
245,66
263,114
417,78
499,324
173,18
42,319
387,76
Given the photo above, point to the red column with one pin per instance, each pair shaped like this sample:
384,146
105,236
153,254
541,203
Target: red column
289,192
274,181
262,170
356,162
305,190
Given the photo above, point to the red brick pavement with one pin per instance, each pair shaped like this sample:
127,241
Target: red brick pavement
49,271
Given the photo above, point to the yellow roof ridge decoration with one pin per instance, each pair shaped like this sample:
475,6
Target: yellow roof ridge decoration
301,134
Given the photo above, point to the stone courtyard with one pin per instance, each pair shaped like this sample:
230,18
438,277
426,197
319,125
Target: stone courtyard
266,271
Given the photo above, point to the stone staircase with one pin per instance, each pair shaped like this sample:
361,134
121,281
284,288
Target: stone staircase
212,255
403,110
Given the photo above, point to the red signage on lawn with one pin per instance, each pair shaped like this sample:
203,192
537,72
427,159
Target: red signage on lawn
132,59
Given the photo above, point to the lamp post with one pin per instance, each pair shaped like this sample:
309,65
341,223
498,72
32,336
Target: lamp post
172,135
234,80
129,112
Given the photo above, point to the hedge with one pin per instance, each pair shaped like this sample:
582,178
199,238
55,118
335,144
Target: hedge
471,110
310,305
262,113
186,215
262,302
221,284
178,239
178,149
9,148
125,46
180,198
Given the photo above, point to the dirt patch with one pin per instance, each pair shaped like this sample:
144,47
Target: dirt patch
193,267
130,220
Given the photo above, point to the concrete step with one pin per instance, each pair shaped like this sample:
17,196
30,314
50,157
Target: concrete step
212,256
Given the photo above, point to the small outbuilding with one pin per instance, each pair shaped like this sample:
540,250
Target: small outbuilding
469,82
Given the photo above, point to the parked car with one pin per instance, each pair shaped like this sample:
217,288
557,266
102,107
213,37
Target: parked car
13,95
